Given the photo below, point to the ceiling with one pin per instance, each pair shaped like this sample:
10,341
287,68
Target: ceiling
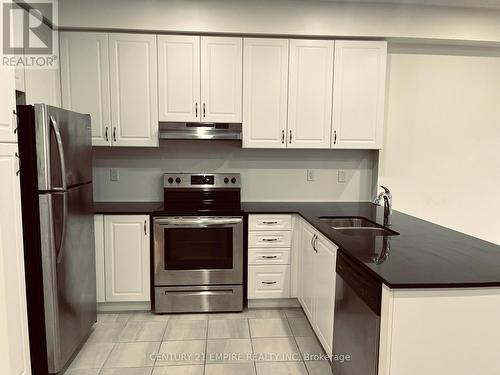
492,4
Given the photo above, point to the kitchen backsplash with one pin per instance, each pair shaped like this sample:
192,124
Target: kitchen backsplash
267,175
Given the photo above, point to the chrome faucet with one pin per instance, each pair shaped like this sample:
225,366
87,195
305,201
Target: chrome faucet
387,197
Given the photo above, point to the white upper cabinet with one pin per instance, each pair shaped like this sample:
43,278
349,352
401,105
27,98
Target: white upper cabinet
133,82
179,78
359,94
265,84
221,79
43,85
85,80
310,94
14,341
8,121
200,78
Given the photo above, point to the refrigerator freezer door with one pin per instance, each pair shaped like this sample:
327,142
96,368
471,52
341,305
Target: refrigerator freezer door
64,148
68,264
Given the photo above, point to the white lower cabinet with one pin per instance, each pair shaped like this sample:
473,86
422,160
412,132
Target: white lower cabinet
269,256
316,279
269,281
14,342
122,244
324,292
306,270
99,258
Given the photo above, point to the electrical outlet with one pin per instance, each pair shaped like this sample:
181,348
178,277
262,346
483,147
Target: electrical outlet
341,177
114,175
310,175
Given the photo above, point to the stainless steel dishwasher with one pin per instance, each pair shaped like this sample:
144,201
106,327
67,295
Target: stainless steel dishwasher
356,328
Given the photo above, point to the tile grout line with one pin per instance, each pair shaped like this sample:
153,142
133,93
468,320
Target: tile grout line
206,347
298,348
251,344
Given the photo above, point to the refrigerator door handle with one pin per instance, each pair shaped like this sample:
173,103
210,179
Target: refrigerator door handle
59,250
60,150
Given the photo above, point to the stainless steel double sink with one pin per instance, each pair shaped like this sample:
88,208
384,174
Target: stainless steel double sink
357,226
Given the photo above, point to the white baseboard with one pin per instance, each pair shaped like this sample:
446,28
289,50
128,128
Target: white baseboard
123,306
273,303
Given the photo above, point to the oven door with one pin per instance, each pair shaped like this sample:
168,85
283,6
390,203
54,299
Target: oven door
198,250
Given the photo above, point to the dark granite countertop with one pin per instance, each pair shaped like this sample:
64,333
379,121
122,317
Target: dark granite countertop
127,208
423,255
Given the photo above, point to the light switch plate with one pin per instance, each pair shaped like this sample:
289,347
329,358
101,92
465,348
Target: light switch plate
310,175
341,177
114,175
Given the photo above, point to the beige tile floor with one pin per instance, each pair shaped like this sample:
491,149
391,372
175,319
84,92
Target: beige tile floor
254,342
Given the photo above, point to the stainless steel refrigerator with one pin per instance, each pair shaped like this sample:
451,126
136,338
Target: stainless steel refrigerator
56,189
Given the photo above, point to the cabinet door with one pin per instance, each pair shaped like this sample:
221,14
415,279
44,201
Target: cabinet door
359,94
265,86
14,342
179,78
134,98
17,33
43,85
307,283
85,80
310,94
126,251
99,258
221,79
8,120
324,288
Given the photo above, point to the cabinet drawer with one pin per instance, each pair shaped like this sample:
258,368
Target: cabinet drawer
268,281
270,222
268,256
269,238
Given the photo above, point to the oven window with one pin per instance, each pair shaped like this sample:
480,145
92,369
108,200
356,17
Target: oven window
195,248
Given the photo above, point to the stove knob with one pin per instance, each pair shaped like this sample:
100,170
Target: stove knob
233,180
226,180
170,180
178,180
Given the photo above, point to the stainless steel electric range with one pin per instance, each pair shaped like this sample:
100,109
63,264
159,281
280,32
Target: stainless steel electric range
198,244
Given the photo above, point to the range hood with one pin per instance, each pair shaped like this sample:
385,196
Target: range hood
199,130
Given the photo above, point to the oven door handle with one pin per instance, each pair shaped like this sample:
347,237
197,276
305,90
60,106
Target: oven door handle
199,221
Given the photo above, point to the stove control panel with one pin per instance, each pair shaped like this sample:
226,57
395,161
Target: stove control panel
205,180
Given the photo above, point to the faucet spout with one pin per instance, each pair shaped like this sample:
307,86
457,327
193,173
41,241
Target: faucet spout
387,197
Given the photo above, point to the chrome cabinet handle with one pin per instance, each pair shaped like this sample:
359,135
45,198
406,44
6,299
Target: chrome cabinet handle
145,228
269,256
334,137
18,164
269,222
17,121
204,110
106,134
114,134
282,137
199,221
196,109
268,282
269,239
314,243
290,137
